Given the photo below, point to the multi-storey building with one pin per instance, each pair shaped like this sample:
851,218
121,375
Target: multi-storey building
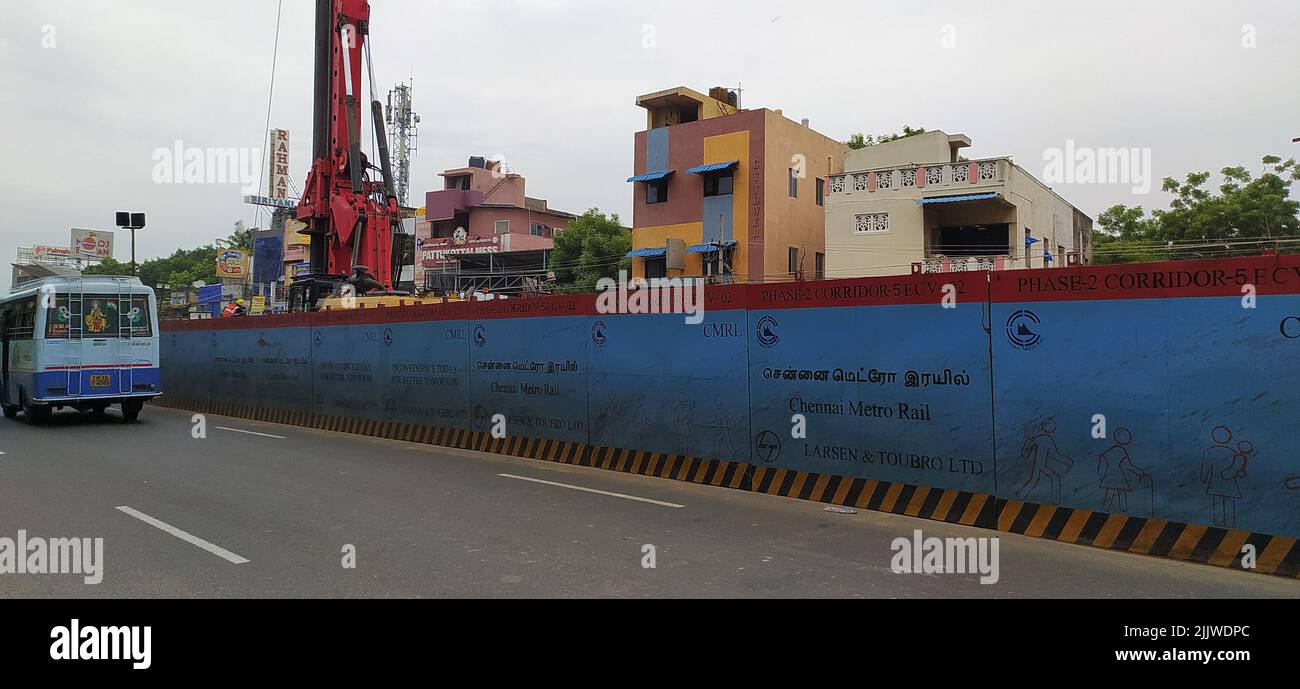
482,210
915,205
726,192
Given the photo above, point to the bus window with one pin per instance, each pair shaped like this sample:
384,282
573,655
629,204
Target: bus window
104,317
22,319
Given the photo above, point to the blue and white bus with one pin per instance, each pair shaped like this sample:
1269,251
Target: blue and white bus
83,342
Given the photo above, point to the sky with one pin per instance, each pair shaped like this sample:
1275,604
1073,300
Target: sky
91,90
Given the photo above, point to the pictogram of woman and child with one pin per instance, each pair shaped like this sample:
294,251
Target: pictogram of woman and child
1115,466
1222,467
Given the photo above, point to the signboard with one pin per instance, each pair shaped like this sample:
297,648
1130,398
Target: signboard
295,253
279,164
300,269
91,245
438,250
41,251
268,201
258,306
232,263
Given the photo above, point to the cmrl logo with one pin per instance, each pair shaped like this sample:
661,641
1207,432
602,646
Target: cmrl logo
1023,329
765,331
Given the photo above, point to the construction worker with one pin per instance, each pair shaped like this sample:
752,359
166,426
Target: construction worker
234,308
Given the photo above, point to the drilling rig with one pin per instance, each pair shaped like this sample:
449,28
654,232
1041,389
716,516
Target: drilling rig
352,220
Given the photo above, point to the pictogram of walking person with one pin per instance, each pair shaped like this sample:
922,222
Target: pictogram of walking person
1044,459
1115,466
1222,467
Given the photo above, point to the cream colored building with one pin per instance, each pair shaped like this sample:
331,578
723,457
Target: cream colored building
914,205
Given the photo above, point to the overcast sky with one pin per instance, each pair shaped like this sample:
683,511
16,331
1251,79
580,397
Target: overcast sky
89,89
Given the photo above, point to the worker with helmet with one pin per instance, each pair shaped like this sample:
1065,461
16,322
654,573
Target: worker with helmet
234,308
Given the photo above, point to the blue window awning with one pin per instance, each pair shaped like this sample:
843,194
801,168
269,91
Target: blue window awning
706,247
648,252
715,167
651,176
959,199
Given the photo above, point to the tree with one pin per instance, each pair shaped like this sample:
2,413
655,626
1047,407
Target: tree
241,238
594,246
1245,208
108,266
859,140
184,267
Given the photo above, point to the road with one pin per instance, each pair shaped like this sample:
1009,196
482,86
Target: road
262,510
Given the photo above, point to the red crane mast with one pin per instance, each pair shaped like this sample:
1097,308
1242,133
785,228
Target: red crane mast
351,219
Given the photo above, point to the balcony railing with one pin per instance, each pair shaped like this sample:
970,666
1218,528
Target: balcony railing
962,264
926,176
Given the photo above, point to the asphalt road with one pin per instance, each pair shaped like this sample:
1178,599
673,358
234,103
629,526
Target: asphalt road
244,515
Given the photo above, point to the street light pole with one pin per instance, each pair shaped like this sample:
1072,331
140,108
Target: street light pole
131,221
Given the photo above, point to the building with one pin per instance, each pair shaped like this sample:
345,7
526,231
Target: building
916,205
725,192
482,210
36,262
296,253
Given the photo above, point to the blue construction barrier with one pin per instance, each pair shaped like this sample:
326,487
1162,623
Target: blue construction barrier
1165,391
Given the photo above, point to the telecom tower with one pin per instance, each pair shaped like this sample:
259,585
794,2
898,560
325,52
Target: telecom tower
404,135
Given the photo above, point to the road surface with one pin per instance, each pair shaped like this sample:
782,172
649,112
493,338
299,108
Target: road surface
262,510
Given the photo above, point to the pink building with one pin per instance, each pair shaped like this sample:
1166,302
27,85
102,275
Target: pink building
482,209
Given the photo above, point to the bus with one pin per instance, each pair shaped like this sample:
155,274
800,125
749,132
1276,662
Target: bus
84,342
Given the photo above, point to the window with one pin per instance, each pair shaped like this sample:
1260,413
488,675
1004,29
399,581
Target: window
821,266
656,191
719,183
794,183
502,227
460,182
821,191
104,317
656,267
794,262
871,223
539,230
20,323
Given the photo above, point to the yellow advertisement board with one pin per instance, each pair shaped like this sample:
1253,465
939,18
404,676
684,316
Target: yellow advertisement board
232,263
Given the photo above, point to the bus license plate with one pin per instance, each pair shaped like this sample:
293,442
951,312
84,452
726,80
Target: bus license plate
100,381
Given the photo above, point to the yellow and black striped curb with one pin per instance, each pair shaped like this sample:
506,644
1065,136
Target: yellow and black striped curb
1276,555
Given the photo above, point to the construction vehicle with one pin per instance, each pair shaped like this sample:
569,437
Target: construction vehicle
352,220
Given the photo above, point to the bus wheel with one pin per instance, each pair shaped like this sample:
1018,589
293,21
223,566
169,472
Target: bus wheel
11,411
37,414
131,409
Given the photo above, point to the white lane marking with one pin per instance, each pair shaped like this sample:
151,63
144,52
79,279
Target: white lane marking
264,435
593,490
184,536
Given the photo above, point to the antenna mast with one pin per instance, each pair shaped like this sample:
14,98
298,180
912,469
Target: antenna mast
403,131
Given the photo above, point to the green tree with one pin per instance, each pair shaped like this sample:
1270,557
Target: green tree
1243,208
860,140
241,237
108,266
594,246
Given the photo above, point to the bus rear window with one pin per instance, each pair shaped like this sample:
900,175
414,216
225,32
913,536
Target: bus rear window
94,316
